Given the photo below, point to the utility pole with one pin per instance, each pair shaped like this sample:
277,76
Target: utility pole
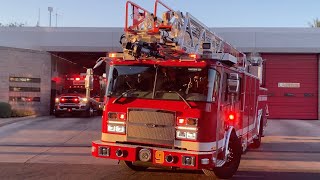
38,23
56,19
50,9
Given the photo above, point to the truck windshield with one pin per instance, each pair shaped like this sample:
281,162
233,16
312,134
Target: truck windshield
170,83
75,91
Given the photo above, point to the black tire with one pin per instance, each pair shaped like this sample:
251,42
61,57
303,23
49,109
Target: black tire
57,114
233,160
133,167
257,142
99,112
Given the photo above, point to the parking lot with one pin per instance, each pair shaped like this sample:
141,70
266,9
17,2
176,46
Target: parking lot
59,148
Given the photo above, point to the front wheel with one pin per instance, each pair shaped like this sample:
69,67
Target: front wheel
133,167
57,114
233,160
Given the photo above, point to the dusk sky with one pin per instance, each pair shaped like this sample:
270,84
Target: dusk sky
214,13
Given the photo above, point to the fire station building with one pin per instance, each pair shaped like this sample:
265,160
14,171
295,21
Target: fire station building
33,58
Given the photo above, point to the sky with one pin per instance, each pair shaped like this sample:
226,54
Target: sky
213,13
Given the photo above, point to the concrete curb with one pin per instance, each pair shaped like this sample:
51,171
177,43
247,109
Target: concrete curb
7,121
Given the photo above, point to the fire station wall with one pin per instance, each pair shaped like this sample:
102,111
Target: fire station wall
292,83
25,79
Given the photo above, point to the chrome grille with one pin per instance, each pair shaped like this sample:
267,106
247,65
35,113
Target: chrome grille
151,126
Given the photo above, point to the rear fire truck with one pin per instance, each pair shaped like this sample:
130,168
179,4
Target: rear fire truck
179,96
76,98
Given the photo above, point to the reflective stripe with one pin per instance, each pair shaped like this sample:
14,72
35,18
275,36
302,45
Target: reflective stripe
189,145
187,128
100,143
199,146
116,122
246,129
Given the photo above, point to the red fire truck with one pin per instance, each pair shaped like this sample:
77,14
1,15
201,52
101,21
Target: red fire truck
180,96
77,99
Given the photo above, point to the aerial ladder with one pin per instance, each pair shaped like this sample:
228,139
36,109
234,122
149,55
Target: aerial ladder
174,35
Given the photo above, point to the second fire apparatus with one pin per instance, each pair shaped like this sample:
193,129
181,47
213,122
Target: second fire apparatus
179,96
76,98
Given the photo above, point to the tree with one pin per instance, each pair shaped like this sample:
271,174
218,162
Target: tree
14,24
315,23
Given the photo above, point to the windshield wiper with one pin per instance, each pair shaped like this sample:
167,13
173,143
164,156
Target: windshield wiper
184,100
121,95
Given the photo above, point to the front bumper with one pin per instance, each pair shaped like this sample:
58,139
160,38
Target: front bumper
64,108
181,158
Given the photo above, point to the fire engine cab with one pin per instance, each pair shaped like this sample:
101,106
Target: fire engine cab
179,96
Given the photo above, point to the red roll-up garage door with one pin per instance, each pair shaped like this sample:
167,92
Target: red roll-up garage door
292,81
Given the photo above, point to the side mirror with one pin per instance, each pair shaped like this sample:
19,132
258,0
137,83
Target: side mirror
89,79
233,83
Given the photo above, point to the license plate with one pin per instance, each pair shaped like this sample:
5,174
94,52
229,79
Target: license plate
159,157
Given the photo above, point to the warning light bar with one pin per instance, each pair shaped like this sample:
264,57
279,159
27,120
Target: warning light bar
115,55
194,56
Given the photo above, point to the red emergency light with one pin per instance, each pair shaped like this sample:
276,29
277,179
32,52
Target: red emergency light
62,100
231,116
181,121
194,56
77,79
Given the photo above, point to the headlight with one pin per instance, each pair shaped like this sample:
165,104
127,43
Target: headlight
120,129
116,128
192,135
57,100
181,135
111,128
186,135
84,99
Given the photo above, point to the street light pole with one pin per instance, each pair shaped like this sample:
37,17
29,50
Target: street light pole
56,19
50,9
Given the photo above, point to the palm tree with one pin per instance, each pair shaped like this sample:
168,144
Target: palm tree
315,23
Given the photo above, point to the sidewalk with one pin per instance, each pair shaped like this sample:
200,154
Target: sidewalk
6,121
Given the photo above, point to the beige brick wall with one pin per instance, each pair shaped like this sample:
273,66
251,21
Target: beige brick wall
26,63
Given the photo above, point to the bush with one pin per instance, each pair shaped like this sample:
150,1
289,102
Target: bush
5,110
21,113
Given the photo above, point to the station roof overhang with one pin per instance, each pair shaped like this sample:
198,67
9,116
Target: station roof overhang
91,39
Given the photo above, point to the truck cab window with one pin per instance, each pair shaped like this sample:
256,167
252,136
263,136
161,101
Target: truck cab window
224,97
213,85
193,84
